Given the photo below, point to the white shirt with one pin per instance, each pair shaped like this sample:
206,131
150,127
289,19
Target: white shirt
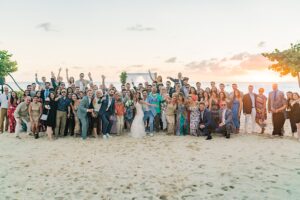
4,100
223,116
252,99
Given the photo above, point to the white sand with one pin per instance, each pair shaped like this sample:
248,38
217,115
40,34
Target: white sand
160,167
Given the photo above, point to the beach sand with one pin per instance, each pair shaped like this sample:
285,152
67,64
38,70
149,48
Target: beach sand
248,166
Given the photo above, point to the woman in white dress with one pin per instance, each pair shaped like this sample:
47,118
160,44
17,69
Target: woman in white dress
138,127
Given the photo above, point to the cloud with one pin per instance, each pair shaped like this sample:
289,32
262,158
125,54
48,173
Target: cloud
76,67
47,26
171,60
139,27
240,56
261,44
238,64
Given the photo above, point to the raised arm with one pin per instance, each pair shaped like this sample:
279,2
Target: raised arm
150,75
103,82
90,77
67,75
37,80
59,70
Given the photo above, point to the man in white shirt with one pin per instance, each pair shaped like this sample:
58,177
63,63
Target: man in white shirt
82,83
249,109
3,112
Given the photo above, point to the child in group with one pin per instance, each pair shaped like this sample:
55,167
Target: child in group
120,111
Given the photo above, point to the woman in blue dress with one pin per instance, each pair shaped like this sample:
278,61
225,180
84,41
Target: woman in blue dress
236,108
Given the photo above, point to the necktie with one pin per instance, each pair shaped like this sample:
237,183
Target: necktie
275,94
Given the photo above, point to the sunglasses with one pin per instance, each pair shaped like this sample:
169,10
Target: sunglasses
63,92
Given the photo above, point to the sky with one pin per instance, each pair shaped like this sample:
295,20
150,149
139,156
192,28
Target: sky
205,40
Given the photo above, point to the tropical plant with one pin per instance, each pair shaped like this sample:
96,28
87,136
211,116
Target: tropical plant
286,61
123,77
7,66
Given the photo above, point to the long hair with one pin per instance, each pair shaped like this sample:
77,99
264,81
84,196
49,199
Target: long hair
12,99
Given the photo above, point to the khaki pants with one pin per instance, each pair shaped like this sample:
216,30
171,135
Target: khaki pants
120,124
61,118
171,124
19,125
3,116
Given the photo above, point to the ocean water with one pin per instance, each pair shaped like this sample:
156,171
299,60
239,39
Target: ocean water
283,86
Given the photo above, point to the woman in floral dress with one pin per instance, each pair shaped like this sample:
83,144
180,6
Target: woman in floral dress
261,109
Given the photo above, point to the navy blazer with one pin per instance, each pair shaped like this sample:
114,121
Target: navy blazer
104,105
206,118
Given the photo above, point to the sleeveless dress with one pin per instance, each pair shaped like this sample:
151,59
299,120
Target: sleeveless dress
35,111
138,127
235,113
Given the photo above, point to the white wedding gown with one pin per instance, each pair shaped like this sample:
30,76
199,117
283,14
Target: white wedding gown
137,127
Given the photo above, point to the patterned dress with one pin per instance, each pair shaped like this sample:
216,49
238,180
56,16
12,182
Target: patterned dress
194,120
11,118
261,110
181,120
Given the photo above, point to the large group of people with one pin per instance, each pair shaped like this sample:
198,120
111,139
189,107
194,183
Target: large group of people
82,108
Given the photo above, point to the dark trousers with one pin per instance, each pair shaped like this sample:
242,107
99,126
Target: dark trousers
292,122
157,122
278,122
226,129
106,123
206,131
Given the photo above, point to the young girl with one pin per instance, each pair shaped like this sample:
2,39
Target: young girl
120,111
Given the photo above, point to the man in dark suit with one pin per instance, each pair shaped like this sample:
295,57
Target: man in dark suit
106,113
46,91
205,121
83,110
226,125
249,109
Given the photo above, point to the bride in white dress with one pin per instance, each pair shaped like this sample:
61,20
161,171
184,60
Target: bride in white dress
138,127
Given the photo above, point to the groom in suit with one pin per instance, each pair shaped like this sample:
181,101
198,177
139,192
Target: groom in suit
106,113
83,110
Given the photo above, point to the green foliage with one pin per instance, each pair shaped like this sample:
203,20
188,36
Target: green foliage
6,64
123,77
286,61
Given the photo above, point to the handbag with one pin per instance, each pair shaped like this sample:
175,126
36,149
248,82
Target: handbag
44,117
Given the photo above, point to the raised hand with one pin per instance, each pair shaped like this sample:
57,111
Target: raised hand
89,74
